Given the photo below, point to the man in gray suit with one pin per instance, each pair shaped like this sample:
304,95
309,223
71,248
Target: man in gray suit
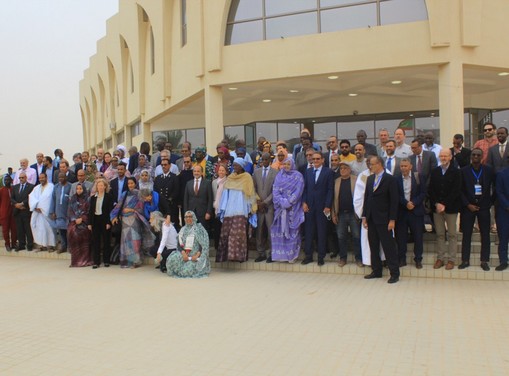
263,179
422,161
498,155
198,197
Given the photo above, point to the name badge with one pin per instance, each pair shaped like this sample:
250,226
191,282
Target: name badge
478,189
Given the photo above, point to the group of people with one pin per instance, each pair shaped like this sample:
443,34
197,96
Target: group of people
367,197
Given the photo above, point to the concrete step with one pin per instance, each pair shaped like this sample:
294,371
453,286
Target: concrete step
330,267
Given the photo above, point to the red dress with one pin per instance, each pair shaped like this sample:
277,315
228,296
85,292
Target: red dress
6,217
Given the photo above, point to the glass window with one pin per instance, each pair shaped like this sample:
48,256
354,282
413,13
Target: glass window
267,130
108,143
196,137
244,32
348,130
290,133
120,137
398,11
136,129
244,10
291,26
358,16
324,130
426,124
232,134
391,125
273,7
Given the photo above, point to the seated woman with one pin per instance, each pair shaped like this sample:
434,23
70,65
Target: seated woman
192,258
136,235
78,235
166,239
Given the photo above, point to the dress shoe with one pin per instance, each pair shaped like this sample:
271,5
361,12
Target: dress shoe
384,264
8,248
485,266
342,262
51,249
20,249
372,275
307,261
502,266
163,270
464,265
260,259
359,264
106,265
402,263
393,280
333,255
321,262
95,266
41,249
158,266
418,265
61,250
438,264
269,260
449,265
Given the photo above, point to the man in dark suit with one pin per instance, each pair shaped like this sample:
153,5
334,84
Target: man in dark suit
502,217
317,204
412,192
498,155
444,193
39,166
133,159
333,149
422,161
63,167
198,197
167,185
309,164
476,197
22,214
119,184
379,218
263,179
461,155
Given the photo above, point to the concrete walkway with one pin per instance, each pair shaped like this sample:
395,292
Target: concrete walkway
62,321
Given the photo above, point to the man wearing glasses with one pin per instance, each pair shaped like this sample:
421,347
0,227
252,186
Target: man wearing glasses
489,140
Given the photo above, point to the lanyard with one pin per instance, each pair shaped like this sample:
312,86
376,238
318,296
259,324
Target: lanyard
377,182
477,177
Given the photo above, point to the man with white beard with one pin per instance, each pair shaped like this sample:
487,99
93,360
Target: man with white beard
358,204
39,202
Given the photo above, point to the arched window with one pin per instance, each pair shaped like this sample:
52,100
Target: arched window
253,20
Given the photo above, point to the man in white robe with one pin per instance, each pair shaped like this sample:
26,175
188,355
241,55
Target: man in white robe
39,202
358,204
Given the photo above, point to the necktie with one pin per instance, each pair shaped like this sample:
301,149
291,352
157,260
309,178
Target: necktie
419,164
21,188
502,149
196,187
315,174
264,175
389,164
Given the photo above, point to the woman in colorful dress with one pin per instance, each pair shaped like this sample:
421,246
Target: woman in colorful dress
136,235
288,213
78,235
238,203
217,191
191,260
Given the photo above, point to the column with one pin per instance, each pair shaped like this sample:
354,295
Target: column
214,131
450,93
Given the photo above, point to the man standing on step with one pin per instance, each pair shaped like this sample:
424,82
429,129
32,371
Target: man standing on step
379,218
444,193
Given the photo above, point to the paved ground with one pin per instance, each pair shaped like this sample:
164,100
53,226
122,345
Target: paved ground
62,321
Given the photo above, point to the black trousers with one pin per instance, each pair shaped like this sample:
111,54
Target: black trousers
316,224
101,236
415,223
23,229
467,225
378,234
164,255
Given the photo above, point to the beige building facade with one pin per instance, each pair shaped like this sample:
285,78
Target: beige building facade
200,70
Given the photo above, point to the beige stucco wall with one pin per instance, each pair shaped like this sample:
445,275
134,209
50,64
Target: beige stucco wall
459,33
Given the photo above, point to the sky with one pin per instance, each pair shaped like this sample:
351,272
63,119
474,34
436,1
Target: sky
46,46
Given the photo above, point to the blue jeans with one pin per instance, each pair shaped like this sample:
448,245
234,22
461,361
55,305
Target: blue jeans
348,220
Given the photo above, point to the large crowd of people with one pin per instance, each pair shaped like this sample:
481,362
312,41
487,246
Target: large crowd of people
116,208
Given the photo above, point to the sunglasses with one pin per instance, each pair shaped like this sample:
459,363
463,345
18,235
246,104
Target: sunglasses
488,129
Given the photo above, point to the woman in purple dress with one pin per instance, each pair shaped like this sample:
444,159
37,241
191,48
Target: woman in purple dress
78,235
288,213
